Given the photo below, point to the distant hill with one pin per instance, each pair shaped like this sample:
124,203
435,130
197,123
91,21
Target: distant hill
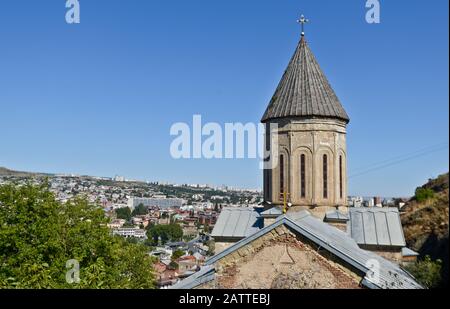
426,223
7,172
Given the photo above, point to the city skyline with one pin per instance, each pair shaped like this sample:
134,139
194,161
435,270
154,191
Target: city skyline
102,95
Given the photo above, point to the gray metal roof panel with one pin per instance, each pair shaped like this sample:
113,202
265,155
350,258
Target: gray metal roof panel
408,252
237,222
242,224
376,226
382,230
336,215
204,275
220,224
233,218
370,232
395,229
274,211
356,227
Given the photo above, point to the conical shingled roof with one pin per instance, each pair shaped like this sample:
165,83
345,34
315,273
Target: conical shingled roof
304,91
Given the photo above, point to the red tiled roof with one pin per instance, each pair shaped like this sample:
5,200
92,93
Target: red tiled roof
187,257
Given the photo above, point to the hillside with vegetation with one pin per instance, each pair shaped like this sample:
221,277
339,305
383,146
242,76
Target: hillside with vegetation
7,172
425,222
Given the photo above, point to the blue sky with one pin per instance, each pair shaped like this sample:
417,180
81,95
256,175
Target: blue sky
99,98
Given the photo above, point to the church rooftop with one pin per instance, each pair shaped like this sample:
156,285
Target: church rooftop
376,226
329,238
304,90
237,222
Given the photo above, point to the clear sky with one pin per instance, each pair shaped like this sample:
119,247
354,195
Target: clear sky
99,98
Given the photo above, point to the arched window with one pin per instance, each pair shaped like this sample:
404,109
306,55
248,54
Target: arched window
341,191
302,176
325,176
281,175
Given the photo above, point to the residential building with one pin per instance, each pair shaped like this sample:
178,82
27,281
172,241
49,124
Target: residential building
163,203
130,232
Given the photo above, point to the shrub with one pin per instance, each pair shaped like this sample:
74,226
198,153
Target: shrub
423,194
427,272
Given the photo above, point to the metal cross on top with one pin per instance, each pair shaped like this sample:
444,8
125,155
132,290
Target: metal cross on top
303,21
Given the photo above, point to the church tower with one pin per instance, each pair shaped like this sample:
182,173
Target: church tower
310,139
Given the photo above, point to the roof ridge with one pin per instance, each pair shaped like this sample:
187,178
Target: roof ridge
388,229
391,275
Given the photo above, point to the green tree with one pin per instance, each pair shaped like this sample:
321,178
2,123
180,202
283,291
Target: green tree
423,194
123,213
140,210
168,232
173,265
175,232
427,272
39,235
177,254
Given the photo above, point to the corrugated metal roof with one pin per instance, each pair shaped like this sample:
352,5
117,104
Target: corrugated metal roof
408,252
237,222
336,215
205,274
272,212
339,243
376,226
304,91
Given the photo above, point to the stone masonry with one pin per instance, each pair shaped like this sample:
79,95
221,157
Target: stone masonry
282,260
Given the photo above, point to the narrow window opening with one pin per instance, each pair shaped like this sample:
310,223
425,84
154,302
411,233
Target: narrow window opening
302,176
341,191
325,176
281,176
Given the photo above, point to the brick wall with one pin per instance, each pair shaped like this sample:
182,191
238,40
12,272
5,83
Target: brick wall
280,259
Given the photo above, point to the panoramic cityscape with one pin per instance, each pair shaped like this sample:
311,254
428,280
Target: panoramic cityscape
224,152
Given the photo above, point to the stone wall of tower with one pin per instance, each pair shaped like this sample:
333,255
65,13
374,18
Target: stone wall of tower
313,138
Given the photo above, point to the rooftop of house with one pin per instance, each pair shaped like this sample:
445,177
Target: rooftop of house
187,258
160,267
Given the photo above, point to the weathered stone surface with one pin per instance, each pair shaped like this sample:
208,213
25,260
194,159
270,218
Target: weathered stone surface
313,138
282,262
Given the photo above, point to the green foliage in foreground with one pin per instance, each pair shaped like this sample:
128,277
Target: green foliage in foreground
423,194
38,235
427,272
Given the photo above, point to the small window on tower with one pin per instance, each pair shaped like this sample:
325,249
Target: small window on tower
325,176
281,176
302,176
341,189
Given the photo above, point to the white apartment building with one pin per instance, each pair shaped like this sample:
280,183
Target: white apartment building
130,232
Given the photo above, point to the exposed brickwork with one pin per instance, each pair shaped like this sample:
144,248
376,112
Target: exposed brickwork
282,260
394,255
